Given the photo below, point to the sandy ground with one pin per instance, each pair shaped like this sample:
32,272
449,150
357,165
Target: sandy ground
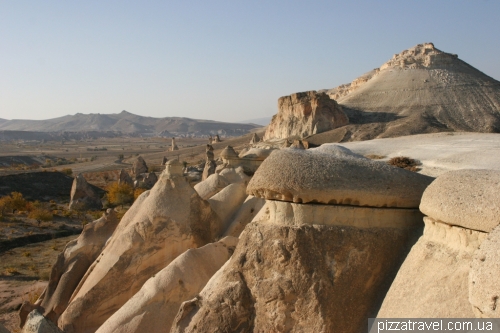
438,152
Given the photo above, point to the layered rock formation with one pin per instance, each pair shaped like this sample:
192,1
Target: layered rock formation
437,274
72,263
83,197
153,308
161,224
307,267
303,114
420,90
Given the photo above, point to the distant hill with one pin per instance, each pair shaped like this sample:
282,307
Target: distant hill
264,121
128,123
420,90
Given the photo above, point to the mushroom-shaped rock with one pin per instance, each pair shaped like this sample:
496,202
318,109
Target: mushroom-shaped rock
125,178
153,308
462,207
467,198
73,262
174,145
83,197
311,177
161,224
310,267
484,285
211,186
229,156
139,166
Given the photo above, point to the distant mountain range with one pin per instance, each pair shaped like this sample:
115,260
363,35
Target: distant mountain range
128,124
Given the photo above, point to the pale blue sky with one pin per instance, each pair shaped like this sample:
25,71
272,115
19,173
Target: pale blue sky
220,60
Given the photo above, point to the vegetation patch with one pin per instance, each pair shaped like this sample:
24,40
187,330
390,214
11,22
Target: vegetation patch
404,162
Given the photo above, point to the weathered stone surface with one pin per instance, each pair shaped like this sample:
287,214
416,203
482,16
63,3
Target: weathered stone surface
247,211
125,178
229,157
303,114
484,285
255,138
36,323
434,275
336,150
174,145
83,197
150,180
139,166
467,198
308,278
308,176
252,158
227,202
72,263
211,186
161,224
164,160
153,308
26,308
3,329
235,175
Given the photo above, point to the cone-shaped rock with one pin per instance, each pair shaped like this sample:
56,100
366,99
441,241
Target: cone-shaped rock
161,224
73,262
125,178
83,197
303,114
139,166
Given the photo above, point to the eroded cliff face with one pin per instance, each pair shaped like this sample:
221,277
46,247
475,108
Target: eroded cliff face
303,114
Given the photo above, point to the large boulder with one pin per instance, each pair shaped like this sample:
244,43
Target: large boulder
139,167
83,197
303,114
163,223
461,209
153,308
37,323
293,175
468,198
310,267
73,262
252,158
211,186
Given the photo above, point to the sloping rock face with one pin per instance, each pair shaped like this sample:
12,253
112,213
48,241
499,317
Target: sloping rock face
420,90
484,285
303,114
155,306
125,178
139,166
161,224
83,197
307,267
461,206
73,262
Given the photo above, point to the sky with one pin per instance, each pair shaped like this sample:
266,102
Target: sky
218,60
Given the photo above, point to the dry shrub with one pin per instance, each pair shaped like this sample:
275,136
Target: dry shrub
404,162
120,194
41,214
14,201
375,156
138,191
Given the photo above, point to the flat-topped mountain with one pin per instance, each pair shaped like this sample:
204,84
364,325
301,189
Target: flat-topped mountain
420,90
127,123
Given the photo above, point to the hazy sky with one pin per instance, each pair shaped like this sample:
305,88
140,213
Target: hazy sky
220,60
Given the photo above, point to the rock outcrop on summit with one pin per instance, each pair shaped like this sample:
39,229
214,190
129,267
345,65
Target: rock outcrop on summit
303,114
420,90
